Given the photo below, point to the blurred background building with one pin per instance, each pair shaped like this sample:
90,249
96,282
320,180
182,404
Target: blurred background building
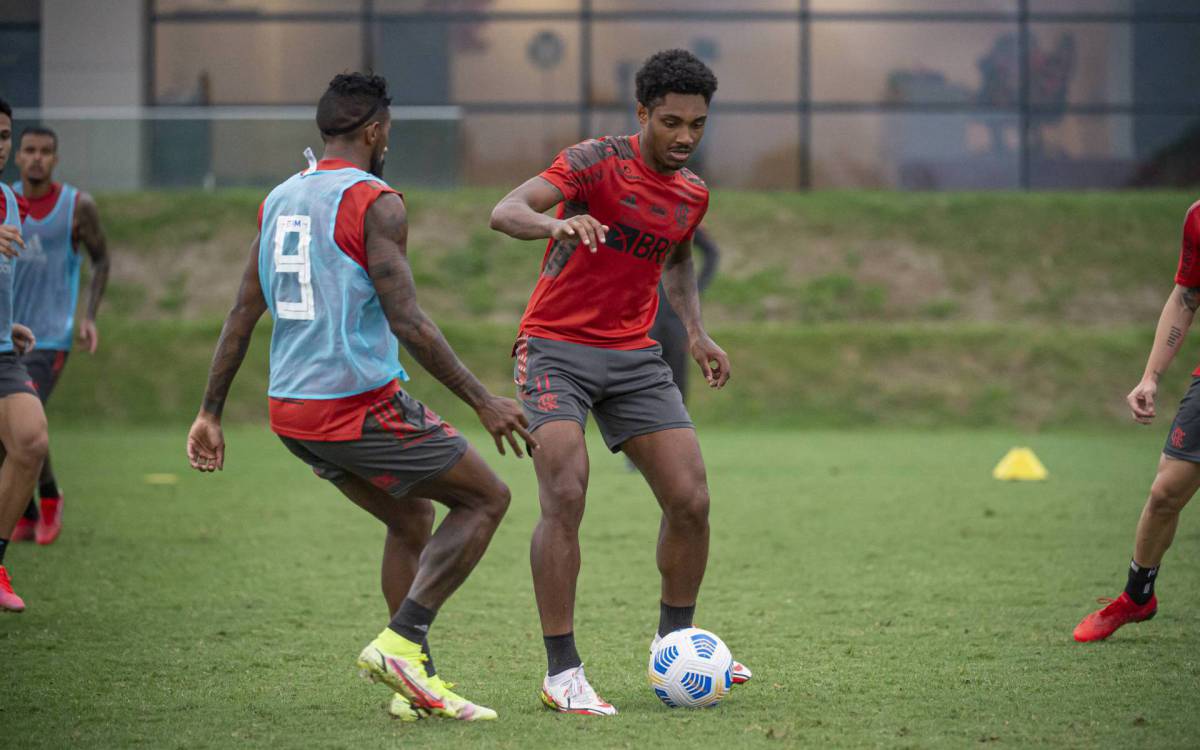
914,94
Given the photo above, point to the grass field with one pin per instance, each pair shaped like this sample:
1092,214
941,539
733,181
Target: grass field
886,591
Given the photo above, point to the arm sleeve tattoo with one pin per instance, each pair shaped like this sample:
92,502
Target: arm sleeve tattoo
235,337
94,241
387,264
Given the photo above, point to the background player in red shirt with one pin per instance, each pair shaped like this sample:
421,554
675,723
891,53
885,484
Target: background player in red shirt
46,288
22,421
628,208
1178,475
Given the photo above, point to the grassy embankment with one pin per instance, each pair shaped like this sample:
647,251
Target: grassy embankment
1027,310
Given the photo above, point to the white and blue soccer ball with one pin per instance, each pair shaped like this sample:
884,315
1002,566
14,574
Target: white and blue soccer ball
691,668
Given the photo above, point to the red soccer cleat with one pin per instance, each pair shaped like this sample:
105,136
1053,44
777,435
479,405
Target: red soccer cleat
9,601
50,522
25,530
1104,622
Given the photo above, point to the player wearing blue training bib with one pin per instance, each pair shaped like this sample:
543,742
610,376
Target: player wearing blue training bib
22,421
330,263
62,219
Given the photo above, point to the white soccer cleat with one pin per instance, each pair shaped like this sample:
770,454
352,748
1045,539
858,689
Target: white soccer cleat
739,673
570,693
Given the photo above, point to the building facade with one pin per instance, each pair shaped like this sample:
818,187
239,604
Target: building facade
908,94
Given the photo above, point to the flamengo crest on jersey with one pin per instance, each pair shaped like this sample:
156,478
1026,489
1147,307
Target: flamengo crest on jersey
330,338
12,217
46,276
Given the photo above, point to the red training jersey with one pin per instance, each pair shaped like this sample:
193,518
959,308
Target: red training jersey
338,418
40,208
1188,272
22,209
609,298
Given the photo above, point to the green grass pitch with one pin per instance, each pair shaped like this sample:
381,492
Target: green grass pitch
884,589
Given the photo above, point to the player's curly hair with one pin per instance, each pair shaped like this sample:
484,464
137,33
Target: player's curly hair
351,101
5,109
674,71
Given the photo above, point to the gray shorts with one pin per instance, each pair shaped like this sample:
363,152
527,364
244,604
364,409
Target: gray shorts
629,392
403,443
14,378
1183,439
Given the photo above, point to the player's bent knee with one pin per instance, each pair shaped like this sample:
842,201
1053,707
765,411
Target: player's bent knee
1166,498
689,507
497,501
30,450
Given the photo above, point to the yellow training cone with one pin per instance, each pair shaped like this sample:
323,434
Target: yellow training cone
1020,463
161,479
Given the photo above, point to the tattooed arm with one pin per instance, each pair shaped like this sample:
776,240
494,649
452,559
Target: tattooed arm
1173,325
386,228
206,443
91,235
679,281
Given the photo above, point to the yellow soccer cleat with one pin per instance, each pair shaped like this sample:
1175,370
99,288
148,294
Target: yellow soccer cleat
398,663
402,710
454,706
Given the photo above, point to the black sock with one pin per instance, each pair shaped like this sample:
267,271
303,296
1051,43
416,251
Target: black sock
412,620
430,670
48,489
1140,586
31,510
560,653
671,618
3,546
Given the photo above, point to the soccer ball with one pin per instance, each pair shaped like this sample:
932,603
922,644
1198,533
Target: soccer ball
691,668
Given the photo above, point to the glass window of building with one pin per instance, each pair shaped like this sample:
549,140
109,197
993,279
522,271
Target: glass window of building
913,6
504,61
915,63
256,7
267,62
1155,7
476,6
918,151
755,61
21,52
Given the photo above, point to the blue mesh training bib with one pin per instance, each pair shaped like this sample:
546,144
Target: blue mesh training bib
46,276
12,217
330,338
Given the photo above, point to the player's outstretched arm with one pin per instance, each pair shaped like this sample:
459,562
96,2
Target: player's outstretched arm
92,236
206,442
1173,324
386,228
679,281
521,215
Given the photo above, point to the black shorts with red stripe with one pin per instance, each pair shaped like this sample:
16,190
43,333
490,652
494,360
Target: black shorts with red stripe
403,443
45,366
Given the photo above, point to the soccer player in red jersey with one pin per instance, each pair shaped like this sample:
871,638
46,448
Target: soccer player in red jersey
331,264
22,421
62,220
1178,475
628,209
